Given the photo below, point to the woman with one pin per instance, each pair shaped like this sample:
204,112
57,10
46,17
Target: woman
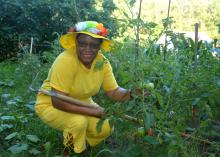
79,72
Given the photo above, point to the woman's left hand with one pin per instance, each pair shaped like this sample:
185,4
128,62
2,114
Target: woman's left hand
100,111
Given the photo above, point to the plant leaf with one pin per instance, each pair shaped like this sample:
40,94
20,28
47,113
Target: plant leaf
10,136
5,126
195,102
5,96
7,118
33,138
11,102
34,151
18,148
99,125
151,140
47,146
30,107
148,120
160,99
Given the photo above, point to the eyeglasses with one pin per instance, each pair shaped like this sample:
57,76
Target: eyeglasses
91,46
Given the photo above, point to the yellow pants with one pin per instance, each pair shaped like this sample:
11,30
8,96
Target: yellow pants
77,129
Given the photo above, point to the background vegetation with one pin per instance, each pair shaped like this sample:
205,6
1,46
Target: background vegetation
180,117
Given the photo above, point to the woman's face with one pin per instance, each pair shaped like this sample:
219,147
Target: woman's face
87,48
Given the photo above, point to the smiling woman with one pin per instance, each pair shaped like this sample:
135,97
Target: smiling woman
87,48
74,73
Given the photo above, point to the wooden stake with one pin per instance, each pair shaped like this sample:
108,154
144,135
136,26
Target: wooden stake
166,28
193,115
196,45
31,48
137,33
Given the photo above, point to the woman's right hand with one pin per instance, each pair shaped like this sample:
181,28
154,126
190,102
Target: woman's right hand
141,92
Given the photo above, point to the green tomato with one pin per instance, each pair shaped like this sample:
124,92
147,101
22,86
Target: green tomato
149,86
140,131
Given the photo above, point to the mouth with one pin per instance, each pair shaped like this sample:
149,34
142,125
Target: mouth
87,56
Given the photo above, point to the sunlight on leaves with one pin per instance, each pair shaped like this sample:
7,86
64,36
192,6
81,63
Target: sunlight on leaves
11,102
5,96
18,148
7,118
10,136
33,138
5,126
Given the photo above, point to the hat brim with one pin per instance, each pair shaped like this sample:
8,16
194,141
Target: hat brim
68,41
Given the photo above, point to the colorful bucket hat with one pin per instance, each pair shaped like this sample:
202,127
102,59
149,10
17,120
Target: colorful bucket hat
92,28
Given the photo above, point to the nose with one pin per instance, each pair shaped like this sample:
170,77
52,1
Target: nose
88,47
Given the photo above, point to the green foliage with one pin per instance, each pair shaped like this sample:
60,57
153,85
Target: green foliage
21,20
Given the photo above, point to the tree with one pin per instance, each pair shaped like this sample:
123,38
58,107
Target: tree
20,20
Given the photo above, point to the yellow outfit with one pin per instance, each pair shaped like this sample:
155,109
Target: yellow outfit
69,75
